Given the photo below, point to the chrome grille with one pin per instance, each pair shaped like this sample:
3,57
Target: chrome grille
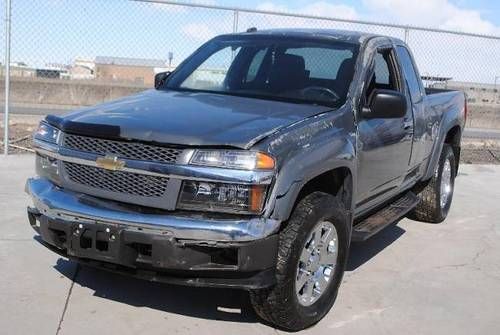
116,181
127,150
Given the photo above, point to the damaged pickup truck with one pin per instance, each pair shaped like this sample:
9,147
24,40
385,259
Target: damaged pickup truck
253,165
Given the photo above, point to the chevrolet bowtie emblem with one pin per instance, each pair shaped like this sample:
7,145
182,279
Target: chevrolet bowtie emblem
111,163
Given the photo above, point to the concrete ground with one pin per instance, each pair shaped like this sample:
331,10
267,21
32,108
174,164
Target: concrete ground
413,278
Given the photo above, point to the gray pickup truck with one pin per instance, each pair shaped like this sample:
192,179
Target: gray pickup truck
253,165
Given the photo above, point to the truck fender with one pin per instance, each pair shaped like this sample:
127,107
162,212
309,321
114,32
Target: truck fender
303,168
448,122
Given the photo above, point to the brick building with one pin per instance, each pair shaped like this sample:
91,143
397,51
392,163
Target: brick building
130,70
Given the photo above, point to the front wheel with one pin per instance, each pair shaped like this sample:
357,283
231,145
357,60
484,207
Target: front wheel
436,197
312,255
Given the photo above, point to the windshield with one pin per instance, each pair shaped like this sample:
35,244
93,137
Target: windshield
288,69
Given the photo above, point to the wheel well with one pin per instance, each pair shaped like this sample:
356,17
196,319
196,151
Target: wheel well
337,182
453,138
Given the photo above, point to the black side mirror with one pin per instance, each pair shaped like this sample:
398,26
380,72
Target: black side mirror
160,78
385,104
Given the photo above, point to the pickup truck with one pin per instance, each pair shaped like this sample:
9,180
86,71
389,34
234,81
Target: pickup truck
253,165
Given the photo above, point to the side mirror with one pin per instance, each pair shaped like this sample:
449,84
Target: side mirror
386,104
160,78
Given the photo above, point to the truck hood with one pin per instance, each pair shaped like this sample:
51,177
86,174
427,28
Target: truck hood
186,118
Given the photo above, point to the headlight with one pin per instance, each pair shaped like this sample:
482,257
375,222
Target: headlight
233,159
47,133
221,197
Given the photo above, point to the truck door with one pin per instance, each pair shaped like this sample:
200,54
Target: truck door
416,92
384,145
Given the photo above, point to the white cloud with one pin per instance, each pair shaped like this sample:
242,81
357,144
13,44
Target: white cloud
272,7
326,9
429,13
432,13
320,8
178,8
199,31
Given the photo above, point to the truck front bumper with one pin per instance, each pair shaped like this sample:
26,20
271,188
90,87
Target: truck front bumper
186,249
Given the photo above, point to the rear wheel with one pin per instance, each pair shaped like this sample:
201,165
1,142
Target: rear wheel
312,254
436,197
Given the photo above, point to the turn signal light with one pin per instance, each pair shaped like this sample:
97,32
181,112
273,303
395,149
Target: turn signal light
264,162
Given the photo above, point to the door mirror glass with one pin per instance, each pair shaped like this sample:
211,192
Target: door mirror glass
385,104
160,78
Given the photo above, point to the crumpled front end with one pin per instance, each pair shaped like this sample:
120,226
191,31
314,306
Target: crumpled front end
139,211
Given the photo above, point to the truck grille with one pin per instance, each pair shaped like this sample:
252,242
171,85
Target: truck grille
127,150
116,181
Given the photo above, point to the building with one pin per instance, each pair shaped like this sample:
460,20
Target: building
131,70
82,69
21,69
53,71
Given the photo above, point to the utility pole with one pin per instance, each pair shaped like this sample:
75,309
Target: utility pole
7,78
170,58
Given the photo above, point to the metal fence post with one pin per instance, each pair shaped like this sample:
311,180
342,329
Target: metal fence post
407,34
235,21
7,77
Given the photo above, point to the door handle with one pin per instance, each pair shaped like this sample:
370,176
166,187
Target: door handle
407,125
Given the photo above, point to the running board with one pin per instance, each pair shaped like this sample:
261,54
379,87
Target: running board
384,217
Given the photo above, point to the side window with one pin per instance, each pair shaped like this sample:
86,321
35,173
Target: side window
410,74
255,65
384,74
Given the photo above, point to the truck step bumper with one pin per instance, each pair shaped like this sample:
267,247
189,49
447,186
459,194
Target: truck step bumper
156,257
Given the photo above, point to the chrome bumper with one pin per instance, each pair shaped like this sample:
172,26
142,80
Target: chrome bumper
57,203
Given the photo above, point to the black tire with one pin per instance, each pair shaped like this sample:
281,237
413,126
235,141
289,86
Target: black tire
279,304
429,209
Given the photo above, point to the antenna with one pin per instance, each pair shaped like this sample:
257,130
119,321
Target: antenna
251,30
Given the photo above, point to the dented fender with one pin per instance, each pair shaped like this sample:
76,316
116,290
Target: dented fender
306,150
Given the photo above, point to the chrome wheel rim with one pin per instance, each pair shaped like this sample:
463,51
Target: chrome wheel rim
446,184
317,263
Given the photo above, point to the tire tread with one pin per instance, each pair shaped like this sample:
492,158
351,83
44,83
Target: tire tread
271,303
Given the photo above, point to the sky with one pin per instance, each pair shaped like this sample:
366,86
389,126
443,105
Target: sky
58,31
477,16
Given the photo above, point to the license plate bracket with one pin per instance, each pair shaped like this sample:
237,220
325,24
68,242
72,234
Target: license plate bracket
95,241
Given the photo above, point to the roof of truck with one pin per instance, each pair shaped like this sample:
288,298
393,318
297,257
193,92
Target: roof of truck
341,35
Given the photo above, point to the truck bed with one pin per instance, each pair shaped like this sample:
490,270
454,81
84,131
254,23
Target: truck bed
432,90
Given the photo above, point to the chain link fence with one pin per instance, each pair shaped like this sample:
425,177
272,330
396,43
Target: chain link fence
66,54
